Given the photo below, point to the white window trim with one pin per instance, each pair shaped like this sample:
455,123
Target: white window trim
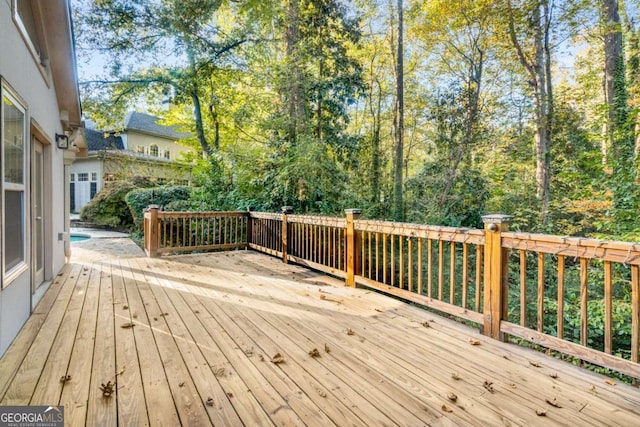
39,58
10,276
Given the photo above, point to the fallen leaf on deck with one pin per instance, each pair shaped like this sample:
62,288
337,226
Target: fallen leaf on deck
553,375
249,352
277,358
65,378
455,376
610,382
107,389
135,315
445,408
327,349
314,353
127,325
534,363
210,401
426,324
229,394
452,397
592,388
322,393
181,384
197,312
164,314
219,372
541,413
125,307
155,318
378,310
489,386
261,357
350,332
474,342
554,403
504,356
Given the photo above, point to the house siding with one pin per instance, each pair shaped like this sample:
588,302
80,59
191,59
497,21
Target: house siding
20,72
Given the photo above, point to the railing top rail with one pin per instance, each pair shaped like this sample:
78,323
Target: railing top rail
450,234
265,215
170,214
327,221
614,251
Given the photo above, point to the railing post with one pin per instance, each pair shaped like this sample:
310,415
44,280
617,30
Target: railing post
154,234
353,246
286,210
495,274
249,225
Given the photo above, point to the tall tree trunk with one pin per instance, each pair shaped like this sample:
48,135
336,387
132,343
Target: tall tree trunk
620,155
398,184
375,107
197,116
539,71
294,95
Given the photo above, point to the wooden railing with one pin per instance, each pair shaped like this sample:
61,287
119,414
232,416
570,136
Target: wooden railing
171,232
580,297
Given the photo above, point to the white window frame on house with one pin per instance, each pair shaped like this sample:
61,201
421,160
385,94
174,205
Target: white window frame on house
167,154
153,150
36,47
19,265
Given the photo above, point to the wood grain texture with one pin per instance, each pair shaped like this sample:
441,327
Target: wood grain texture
208,328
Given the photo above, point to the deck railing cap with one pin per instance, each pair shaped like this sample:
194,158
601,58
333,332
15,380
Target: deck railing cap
353,211
496,219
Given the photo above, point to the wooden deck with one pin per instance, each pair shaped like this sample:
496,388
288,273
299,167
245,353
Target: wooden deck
208,330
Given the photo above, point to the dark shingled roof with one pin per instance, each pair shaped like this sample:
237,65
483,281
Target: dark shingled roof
149,124
97,142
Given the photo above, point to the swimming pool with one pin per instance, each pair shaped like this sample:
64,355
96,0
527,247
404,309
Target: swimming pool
75,237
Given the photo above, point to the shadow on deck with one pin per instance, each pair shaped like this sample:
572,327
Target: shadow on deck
239,338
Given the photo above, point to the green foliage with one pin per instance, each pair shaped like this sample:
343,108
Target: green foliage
139,199
108,207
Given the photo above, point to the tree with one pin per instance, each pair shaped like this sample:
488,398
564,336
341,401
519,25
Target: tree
398,157
166,48
620,138
529,29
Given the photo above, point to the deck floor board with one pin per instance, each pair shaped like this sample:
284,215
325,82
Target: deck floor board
207,326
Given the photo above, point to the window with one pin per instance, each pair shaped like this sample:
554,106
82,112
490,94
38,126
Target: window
14,131
140,149
73,177
153,150
83,177
72,196
93,189
26,19
94,176
167,154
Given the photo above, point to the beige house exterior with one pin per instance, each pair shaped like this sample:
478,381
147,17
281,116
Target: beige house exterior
144,149
39,112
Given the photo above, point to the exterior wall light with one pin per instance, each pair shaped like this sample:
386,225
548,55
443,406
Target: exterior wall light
62,141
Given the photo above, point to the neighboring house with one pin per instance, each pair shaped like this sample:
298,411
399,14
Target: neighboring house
143,149
39,114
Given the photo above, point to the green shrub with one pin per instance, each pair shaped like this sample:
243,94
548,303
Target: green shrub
138,200
108,208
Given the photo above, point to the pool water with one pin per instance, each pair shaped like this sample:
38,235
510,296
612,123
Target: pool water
79,237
